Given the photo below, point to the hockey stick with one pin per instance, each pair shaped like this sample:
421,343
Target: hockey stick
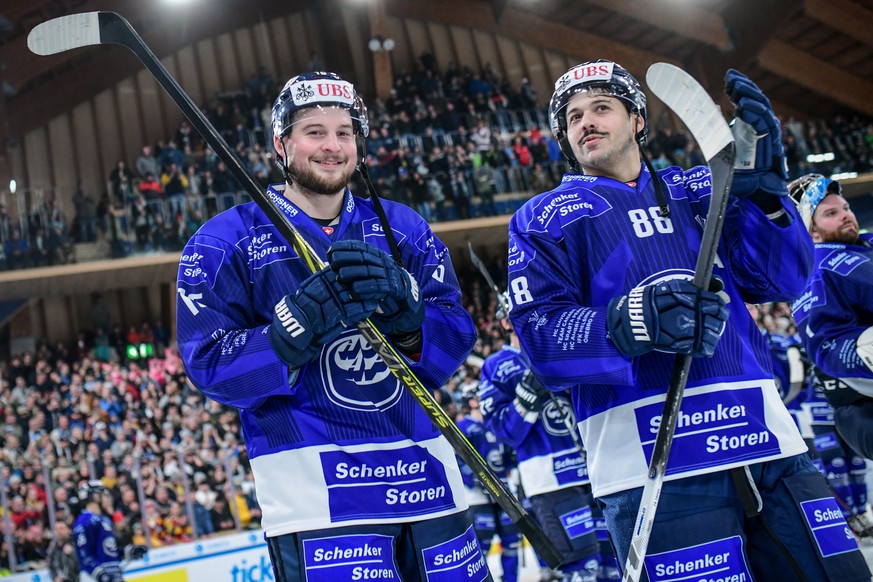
99,28
506,306
703,118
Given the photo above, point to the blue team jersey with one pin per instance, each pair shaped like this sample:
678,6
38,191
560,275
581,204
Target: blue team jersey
341,442
548,459
575,248
495,455
781,347
96,545
836,308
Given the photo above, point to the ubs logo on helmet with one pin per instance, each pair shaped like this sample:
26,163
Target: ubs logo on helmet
553,417
323,90
355,377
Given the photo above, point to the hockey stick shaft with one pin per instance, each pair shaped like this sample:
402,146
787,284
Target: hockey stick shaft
685,97
96,28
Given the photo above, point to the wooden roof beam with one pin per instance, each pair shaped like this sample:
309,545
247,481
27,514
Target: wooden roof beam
684,19
818,76
848,18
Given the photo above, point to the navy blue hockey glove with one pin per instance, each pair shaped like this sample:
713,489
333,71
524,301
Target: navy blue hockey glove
313,316
135,552
673,316
372,275
530,395
760,163
108,573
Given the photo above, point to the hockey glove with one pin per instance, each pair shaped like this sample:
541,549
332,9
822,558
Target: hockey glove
135,552
313,316
760,163
372,275
673,316
530,394
108,573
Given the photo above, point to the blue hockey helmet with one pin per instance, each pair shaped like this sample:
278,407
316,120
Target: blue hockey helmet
808,191
599,77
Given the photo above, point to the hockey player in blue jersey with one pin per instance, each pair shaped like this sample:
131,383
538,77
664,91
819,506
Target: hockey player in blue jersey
487,516
835,314
94,535
599,277
521,413
347,465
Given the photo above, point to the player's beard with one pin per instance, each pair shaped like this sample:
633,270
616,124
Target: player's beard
849,237
308,180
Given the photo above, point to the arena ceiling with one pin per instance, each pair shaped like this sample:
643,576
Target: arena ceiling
814,58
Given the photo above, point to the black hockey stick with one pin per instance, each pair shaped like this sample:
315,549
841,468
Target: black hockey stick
703,118
505,305
99,28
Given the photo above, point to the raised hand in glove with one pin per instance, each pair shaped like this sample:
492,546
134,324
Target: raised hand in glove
760,161
314,315
530,395
672,316
372,275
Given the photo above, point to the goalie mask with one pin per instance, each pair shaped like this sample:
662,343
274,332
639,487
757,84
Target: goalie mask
808,191
318,90
599,77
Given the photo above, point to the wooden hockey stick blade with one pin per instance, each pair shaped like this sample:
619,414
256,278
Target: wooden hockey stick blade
97,28
704,119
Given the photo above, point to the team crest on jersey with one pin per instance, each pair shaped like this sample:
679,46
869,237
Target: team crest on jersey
110,548
553,416
356,377
495,459
667,275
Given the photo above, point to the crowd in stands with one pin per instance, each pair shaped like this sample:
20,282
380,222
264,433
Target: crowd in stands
447,143
104,407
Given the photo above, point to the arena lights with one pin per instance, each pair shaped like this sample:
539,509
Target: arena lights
13,185
819,158
379,44
844,176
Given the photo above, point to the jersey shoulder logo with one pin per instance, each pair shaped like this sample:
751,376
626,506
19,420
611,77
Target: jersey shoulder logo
200,263
263,246
842,262
567,204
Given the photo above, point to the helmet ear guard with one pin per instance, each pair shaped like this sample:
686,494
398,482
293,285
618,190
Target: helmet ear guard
609,79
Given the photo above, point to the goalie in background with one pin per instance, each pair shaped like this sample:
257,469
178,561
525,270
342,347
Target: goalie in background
600,273
835,315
